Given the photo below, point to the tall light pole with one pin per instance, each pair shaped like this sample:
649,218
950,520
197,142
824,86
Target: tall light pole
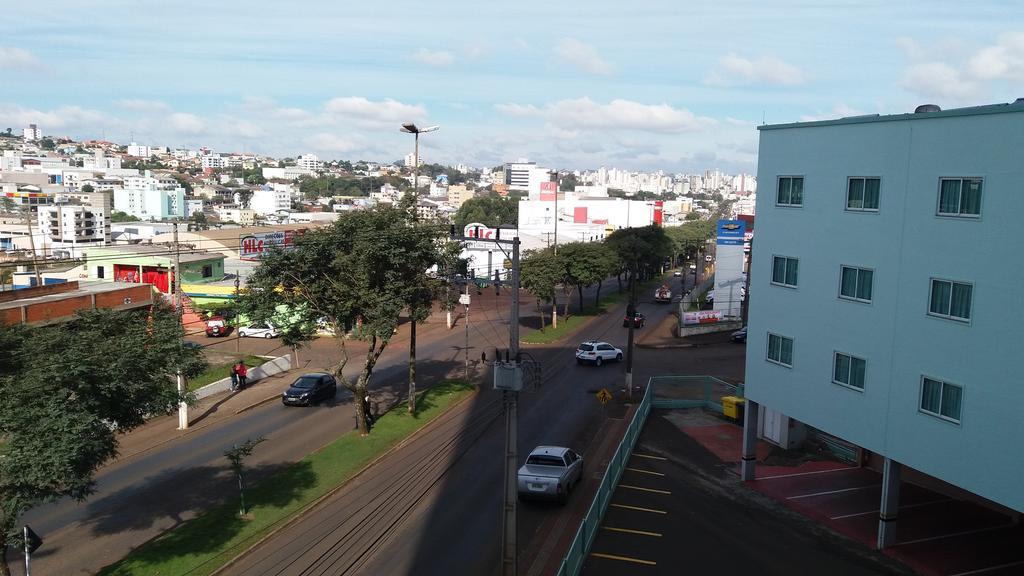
411,128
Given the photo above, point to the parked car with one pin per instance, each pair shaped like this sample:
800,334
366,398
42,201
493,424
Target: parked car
677,273
739,335
309,389
259,330
217,326
549,472
638,319
597,352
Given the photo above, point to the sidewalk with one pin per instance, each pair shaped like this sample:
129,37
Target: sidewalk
663,335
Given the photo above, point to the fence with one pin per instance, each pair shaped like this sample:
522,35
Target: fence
662,392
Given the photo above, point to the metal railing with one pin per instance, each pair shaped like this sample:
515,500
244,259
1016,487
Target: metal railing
691,392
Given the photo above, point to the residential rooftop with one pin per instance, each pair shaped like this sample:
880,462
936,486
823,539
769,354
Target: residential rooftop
923,112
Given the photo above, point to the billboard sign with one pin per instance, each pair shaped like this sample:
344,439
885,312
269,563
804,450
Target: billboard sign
252,246
702,317
482,231
731,232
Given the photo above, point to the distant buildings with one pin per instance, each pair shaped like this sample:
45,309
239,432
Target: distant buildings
32,133
309,162
410,160
76,222
267,201
151,198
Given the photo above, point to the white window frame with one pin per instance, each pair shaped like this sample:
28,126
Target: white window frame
854,298
958,214
768,352
835,356
939,415
959,319
862,210
778,184
786,272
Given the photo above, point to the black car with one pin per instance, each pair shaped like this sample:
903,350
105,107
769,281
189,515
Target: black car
309,389
739,335
638,320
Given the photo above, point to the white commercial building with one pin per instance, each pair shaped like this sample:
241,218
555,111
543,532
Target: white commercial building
309,162
410,160
138,151
212,161
884,277
32,133
149,197
77,221
268,200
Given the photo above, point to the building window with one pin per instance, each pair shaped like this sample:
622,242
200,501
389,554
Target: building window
780,350
862,194
784,271
791,191
941,399
855,283
99,271
208,271
960,197
848,370
950,299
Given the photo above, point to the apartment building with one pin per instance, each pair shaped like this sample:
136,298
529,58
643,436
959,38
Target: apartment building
267,201
149,197
309,162
77,221
885,276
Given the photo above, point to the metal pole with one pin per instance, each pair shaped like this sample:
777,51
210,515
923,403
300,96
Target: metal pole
237,315
509,560
629,342
467,334
32,245
176,278
28,555
412,312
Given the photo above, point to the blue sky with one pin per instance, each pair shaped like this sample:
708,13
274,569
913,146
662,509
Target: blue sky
677,86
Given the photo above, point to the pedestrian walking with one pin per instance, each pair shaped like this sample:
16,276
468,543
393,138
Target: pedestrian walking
234,379
243,374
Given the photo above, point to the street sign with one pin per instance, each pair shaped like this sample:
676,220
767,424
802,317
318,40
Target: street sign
707,258
603,396
32,540
464,299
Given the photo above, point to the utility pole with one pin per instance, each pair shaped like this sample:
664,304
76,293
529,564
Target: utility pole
176,279
632,323
32,245
509,546
467,332
237,315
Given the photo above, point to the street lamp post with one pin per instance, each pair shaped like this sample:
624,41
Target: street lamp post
411,128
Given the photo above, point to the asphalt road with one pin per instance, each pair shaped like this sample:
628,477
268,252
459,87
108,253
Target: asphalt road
436,507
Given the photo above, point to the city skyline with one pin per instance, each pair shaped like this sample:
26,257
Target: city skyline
680,90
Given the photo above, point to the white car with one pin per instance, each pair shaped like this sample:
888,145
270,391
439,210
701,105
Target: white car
259,330
597,353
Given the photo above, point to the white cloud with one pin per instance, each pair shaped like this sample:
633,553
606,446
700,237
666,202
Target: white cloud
583,56
840,110
186,123
62,118
1004,60
944,75
938,79
585,114
512,109
437,58
368,112
736,71
11,57
332,143
141,105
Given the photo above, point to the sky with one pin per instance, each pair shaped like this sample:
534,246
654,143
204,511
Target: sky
641,85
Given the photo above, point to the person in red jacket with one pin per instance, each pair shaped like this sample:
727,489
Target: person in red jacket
243,373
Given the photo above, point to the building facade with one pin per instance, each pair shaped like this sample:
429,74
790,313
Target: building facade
76,222
884,276
149,197
268,201
309,162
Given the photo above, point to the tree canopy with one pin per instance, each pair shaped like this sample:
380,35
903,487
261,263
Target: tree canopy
490,210
586,264
646,247
60,412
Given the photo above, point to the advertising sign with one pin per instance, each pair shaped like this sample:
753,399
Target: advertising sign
252,246
701,317
731,232
482,231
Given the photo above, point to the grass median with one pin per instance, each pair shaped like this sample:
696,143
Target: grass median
205,543
576,319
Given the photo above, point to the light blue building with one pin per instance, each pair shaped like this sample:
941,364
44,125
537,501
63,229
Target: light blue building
887,288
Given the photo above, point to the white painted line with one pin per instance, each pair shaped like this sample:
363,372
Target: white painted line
656,491
869,512
964,533
990,568
649,456
806,473
879,486
644,471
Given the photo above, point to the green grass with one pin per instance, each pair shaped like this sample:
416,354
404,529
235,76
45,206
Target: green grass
215,372
203,544
576,319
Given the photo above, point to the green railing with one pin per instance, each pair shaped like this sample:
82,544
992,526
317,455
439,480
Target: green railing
662,392
573,561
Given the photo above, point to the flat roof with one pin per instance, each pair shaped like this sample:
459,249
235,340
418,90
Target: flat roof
98,287
157,250
1016,106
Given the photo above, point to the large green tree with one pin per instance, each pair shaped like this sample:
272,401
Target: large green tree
641,249
490,210
540,272
586,264
60,412
366,269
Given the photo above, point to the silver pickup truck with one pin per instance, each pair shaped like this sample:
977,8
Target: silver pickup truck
550,472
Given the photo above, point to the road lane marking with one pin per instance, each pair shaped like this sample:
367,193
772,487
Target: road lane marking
631,531
645,471
990,568
869,512
624,559
649,456
964,533
833,492
638,508
806,473
631,487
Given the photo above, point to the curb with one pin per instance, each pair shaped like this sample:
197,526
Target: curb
666,346
299,515
257,404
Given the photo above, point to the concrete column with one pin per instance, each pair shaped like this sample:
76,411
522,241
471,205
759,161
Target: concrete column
890,503
749,440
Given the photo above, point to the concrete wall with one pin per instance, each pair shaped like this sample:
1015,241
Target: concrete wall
270,368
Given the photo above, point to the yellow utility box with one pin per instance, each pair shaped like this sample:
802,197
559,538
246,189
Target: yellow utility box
732,407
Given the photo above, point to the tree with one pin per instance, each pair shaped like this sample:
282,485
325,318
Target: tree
689,237
9,131
236,456
47,143
490,211
586,264
118,216
568,182
184,183
641,249
363,270
61,412
540,273
87,188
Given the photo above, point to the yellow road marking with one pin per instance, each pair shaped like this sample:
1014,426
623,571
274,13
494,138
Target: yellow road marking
644,489
645,471
630,531
649,456
624,558
628,507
